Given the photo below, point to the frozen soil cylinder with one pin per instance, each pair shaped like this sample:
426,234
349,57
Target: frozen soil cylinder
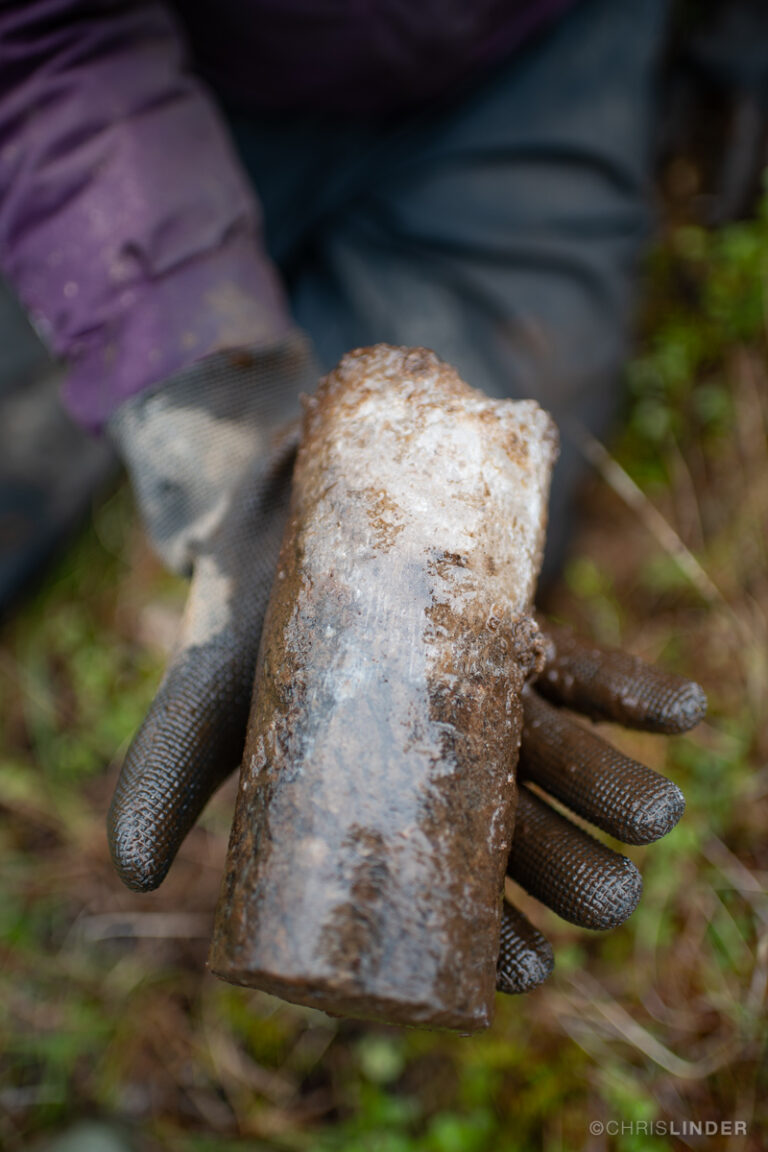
377,791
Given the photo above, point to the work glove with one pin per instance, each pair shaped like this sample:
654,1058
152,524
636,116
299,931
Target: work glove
211,458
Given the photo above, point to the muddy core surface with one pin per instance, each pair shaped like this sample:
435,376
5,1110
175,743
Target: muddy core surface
377,791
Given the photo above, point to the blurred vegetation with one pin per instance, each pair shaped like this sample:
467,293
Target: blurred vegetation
106,1011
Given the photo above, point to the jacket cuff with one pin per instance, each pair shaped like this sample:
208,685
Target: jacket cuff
227,299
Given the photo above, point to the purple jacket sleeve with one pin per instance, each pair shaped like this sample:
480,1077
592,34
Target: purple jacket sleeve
126,225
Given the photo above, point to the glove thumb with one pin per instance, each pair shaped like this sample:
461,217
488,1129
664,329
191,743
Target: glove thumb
194,732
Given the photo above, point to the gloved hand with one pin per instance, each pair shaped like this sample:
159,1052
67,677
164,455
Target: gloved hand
211,461
552,858
210,456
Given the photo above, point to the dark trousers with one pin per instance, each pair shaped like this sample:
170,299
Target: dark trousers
502,229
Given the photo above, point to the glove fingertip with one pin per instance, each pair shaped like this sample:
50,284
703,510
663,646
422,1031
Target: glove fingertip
617,895
658,816
532,969
526,958
135,862
685,708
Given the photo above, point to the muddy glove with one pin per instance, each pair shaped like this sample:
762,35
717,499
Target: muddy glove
552,858
210,455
